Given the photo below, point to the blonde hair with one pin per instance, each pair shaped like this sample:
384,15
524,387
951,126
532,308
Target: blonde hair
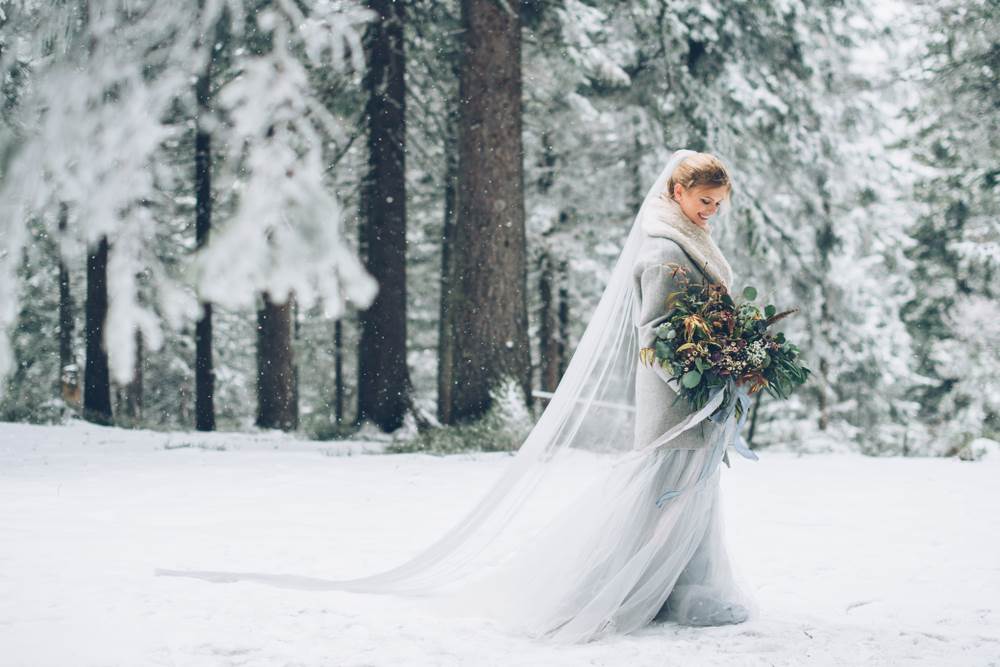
700,169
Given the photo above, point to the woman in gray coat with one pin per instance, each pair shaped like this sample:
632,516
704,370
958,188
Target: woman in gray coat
677,234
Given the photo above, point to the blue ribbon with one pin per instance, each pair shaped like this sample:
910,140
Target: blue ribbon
725,432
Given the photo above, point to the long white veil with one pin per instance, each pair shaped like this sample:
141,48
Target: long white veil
592,409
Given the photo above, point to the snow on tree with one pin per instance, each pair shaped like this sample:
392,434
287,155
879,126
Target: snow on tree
956,255
285,234
86,132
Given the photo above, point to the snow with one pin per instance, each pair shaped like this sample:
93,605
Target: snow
854,560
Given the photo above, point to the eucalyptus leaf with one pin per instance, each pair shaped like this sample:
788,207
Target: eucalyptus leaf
770,311
691,379
749,293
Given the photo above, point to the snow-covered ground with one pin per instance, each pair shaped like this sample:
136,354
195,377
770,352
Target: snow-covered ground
855,561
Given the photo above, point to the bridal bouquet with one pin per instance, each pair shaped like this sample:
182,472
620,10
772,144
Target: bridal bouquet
710,341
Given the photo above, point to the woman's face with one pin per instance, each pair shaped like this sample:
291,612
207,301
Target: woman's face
700,202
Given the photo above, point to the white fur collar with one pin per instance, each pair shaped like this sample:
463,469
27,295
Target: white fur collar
663,217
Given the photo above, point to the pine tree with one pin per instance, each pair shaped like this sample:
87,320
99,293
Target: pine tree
953,313
490,325
383,378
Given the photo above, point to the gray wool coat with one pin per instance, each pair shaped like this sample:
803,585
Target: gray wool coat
656,410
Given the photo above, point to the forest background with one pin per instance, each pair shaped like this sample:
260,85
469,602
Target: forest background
393,219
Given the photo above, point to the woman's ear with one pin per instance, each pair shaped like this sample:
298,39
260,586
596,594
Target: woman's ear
678,191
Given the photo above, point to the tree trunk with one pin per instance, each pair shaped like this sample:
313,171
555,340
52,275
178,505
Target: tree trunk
130,397
563,319
96,378
446,331
383,378
824,401
204,372
65,318
826,243
296,337
69,374
204,369
490,315
548,325
276,404
338,372
637,178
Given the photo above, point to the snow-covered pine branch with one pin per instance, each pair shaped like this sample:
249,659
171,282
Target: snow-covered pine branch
93,116
286,234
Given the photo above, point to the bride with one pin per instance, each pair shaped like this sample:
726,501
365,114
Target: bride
609,516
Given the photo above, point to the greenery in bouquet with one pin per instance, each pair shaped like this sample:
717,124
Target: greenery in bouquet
710,341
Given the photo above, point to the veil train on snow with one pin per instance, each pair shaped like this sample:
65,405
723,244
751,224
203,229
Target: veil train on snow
592,409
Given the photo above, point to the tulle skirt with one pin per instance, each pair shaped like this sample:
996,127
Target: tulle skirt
615,560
